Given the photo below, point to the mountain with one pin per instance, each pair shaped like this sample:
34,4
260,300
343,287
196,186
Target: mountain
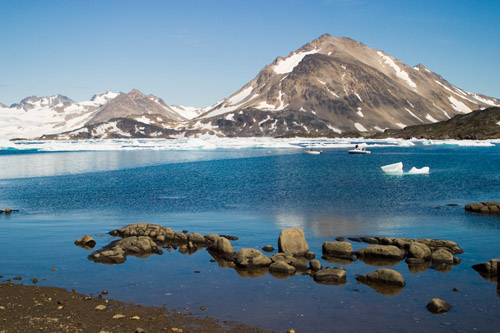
336,85
477,125
106,115
34,116
328,87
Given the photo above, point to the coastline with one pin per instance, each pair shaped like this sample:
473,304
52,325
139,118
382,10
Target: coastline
25,308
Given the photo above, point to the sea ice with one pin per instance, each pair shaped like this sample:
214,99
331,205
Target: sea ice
393,168
416,171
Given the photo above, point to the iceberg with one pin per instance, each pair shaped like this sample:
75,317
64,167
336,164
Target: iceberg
393,168
416,171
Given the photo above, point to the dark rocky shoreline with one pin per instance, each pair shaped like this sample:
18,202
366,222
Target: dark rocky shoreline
50,309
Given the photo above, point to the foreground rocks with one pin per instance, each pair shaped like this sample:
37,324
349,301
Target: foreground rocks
117,251
294,257
490,207
86,241
489,270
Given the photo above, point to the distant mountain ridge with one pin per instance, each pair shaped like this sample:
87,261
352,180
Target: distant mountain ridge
329,87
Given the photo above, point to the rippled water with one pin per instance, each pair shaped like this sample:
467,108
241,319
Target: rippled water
253,194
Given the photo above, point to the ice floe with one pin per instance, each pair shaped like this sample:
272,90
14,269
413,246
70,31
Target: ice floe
397,168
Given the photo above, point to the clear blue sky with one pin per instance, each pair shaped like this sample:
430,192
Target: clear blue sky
196,52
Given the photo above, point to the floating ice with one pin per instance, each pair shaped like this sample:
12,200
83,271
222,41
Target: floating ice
397,168
416,171
393,168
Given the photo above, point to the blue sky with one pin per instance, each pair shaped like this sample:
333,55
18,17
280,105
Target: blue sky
196,52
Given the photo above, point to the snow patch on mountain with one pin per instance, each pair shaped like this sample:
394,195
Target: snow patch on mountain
360,127
414,115
430,118
458,105
284,66
399,72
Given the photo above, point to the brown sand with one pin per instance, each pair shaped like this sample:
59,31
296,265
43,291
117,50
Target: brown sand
50,309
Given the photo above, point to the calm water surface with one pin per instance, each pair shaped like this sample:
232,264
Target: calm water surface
253,194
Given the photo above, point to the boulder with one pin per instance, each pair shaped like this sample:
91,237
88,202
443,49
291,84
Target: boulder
117,251
196,238
282,267
383,276
86,241
488,269
268,248
251,258
442,255
315,265
437,305
330,275
381,252
299,263
341,250
144,229
435,244
490,207
222,247
402,243
370,240
419,250
211,238
292,241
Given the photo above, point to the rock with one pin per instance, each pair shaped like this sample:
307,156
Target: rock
435,244
437,305
456,260
251,258
232,238
34,281
310,255
490,207
419,250
100,307
385,241
8,210
223,248
117,251
292,241
180,237
381,252
144,229
268,248
211,238
355,239
341,250
196,238
118,316
370,240
402,243
282,267
330,275
299,263
86,241
489,269
140,330
383,276
340,239
315,265
442,255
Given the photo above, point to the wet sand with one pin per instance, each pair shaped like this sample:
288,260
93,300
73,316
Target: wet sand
50,309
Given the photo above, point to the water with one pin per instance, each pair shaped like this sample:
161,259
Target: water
253,194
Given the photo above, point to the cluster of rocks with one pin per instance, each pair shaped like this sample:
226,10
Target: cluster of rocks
293,256
490,207
420,254
7,211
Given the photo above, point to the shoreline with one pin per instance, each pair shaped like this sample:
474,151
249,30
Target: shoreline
25,308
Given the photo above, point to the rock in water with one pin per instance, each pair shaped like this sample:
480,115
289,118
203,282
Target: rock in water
251,258
490,207
282,267
86,241
292,241
117,251
442,256
330,275
223,248
383,276
382,252
488,269
341,250
419,250
437,305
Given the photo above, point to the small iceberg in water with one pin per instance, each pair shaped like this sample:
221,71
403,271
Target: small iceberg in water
397,168
393,168
416,171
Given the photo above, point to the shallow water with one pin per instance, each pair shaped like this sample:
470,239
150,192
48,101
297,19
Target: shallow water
253,194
